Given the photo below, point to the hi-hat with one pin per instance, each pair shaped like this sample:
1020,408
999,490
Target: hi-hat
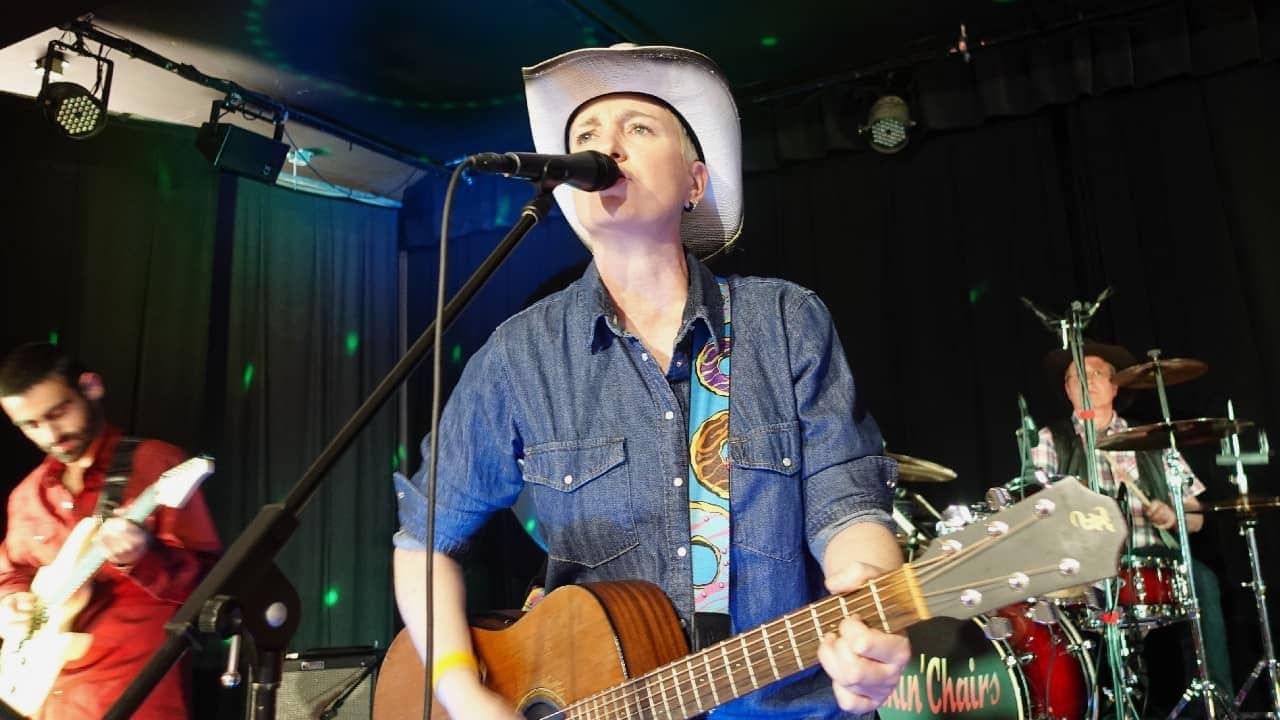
1155,436
1245,504
1175,370
912,469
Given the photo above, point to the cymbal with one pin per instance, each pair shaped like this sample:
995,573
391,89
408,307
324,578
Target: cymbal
1196,431
1245,504
912,469
1175,370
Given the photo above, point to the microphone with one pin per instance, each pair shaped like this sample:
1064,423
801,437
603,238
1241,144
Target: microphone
1028,424
587,170
1048,320
1098,303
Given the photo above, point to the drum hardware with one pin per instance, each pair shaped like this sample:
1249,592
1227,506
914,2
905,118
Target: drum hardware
1200,685
1246,507
998,628
1044,612
911,537
919,500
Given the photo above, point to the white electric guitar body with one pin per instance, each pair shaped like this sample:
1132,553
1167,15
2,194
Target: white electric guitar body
29,667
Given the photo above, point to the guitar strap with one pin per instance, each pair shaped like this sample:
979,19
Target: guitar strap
709,509
117,477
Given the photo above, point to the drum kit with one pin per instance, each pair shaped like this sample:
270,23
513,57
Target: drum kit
1042,658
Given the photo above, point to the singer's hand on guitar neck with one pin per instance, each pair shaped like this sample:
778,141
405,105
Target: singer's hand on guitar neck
864,664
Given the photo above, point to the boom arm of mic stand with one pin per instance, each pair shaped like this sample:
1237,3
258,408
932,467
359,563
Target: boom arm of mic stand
253,552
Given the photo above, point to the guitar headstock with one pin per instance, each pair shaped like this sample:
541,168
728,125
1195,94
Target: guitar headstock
1064,535
176,485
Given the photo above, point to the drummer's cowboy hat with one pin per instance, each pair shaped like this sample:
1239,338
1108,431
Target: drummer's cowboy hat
689,83
1057,361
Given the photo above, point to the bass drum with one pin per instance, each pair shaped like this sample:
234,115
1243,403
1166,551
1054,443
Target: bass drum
1039,671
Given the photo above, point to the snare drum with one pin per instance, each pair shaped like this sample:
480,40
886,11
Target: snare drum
1039,671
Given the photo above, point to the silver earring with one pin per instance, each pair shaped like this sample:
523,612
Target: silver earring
691,206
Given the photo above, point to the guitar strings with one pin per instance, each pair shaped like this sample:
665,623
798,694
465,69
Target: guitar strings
681,677
638,693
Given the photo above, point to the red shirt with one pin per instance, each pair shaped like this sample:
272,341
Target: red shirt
129,606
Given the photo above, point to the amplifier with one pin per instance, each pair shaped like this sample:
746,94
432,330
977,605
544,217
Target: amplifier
332,683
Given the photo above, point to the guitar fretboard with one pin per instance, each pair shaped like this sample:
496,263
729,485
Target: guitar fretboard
748,662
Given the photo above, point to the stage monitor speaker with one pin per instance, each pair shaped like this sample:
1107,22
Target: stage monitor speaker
243,152
332,683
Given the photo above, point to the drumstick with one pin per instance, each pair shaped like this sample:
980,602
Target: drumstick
1146,505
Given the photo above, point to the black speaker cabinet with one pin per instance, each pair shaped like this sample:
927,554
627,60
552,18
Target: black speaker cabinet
241,151
330,683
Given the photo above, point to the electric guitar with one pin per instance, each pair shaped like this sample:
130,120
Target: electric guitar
615,650
29,667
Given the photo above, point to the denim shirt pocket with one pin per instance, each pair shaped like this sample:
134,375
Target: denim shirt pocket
766,502
582,498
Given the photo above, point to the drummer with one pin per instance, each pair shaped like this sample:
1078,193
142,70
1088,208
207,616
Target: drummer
1061,451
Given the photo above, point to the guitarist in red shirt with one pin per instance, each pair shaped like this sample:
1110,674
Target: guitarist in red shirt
150,566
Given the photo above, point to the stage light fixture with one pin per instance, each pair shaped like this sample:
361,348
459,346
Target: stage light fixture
888,124
76,111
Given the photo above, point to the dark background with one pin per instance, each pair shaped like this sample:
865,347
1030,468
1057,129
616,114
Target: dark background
249,321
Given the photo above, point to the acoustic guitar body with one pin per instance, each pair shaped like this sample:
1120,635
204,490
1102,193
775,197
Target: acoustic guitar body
578,641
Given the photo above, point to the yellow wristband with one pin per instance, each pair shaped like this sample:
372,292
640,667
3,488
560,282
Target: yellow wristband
450,661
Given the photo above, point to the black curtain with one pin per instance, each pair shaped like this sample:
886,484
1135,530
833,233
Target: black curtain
311,328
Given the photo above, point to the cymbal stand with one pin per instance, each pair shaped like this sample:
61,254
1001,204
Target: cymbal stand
1070,331
1231,455
1214,701
914,540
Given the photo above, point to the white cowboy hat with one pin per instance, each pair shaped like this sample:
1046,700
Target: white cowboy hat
689,82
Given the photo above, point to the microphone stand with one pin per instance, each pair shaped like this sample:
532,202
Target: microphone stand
1071,333
245,592
1200,685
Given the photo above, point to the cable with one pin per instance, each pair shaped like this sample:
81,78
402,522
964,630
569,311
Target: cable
436,372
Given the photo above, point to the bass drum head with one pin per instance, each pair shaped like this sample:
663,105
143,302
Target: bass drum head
956,672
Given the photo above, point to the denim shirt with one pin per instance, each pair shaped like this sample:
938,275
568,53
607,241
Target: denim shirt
564,402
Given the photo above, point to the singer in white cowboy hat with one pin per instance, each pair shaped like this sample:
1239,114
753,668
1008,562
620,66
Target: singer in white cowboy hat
591,403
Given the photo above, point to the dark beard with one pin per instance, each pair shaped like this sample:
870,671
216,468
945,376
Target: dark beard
84,439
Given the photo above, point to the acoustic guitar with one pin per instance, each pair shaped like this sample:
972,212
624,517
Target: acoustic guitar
615,649
29,667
